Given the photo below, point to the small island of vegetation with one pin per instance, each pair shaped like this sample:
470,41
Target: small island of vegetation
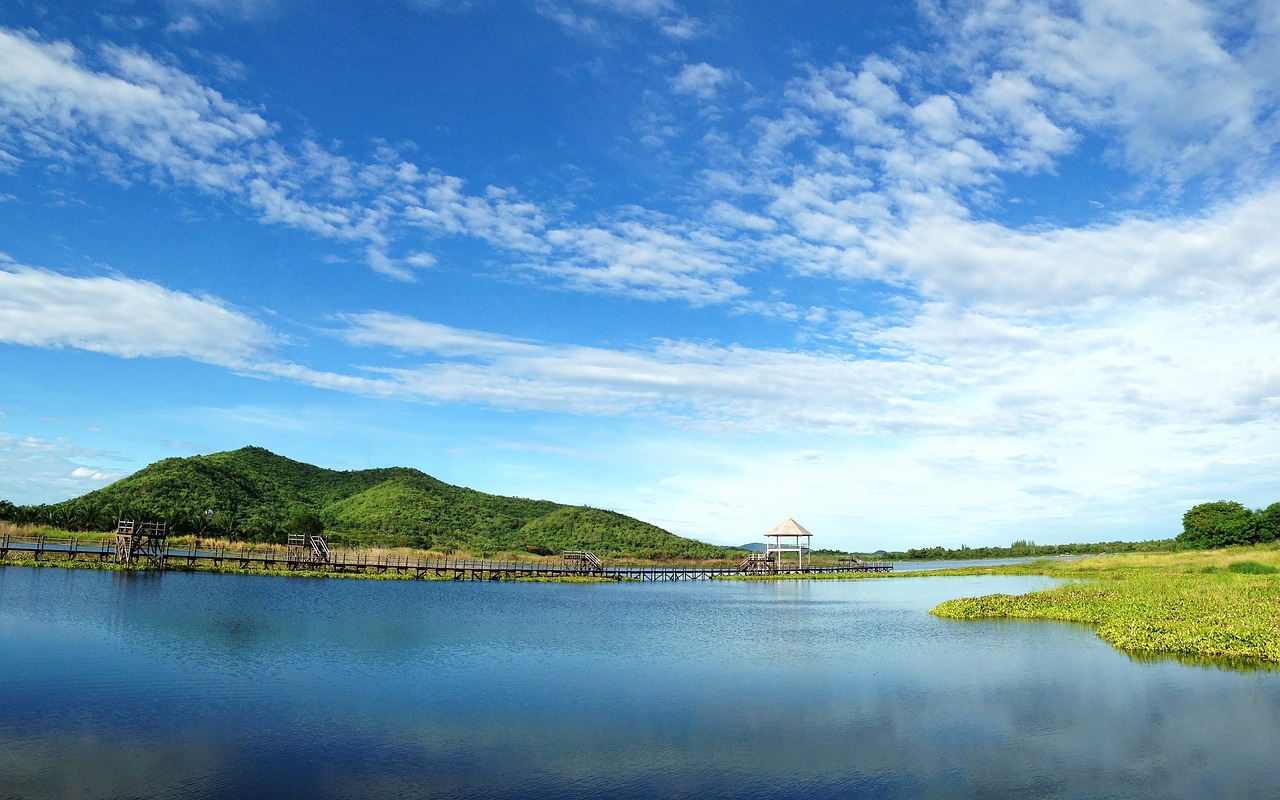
1214,594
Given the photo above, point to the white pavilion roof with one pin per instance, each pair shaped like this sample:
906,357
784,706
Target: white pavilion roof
788,527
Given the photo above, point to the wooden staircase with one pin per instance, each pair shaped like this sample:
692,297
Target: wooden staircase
756,564
582,561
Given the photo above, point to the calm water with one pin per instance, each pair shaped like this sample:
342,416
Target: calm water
116,685
929,566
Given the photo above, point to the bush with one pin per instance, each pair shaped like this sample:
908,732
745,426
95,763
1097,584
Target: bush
1251,568
305,523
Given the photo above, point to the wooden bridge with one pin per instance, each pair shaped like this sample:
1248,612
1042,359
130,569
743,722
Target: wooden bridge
157,554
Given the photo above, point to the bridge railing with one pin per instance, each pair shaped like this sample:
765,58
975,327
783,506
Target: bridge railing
582,560
579,562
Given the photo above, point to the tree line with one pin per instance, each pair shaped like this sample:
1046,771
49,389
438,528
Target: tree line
88,515
1025,548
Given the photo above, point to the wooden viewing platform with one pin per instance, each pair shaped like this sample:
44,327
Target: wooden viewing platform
320,557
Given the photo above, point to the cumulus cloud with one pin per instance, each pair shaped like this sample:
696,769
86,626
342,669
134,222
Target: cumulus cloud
700,80
1186,91
95,475
870,173
1049,271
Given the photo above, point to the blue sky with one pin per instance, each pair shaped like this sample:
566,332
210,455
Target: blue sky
913,274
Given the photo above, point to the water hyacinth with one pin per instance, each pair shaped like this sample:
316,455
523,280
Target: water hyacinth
1223,604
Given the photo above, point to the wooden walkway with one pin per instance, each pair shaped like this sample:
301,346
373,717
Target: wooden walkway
340,561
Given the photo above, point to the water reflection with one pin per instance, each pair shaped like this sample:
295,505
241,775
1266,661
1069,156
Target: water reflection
1208,662
191,685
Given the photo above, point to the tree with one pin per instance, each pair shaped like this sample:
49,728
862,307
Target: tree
1267,523
306,523
1218,525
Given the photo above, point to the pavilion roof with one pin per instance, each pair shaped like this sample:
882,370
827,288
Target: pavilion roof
788,527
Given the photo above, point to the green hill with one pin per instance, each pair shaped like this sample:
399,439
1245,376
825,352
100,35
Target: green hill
252,494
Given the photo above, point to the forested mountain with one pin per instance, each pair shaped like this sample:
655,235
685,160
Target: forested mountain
254,494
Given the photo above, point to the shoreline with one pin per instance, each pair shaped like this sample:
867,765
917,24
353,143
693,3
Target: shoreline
52,561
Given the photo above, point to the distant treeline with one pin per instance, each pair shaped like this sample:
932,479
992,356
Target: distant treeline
1227,522
1024,548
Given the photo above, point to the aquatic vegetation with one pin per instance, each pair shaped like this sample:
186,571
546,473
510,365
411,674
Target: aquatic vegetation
1221,604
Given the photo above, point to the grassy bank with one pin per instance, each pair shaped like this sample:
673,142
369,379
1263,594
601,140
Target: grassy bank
1220,603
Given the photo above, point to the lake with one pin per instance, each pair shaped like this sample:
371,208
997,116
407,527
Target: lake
200,685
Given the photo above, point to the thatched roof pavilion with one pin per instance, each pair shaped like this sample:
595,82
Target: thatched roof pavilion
788,536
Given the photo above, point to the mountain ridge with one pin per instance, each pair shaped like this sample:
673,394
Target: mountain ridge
254,494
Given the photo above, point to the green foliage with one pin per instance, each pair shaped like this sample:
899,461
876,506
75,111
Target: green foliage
1226,523
1267,523
1251,568
609,534
305,522
254,495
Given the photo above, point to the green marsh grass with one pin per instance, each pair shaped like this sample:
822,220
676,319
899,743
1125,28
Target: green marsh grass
1220,604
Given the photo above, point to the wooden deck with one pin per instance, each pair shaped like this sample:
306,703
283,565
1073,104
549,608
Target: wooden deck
338,561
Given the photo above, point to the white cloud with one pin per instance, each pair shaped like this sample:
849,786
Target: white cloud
646,259
583,17
734,217
148,118
1051,270
416,336
184,24
720,385
500,216
226,9
1188,90
123,317
39,470
138,118
58,108
700,80
95,475
682,28
639,8
870,173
